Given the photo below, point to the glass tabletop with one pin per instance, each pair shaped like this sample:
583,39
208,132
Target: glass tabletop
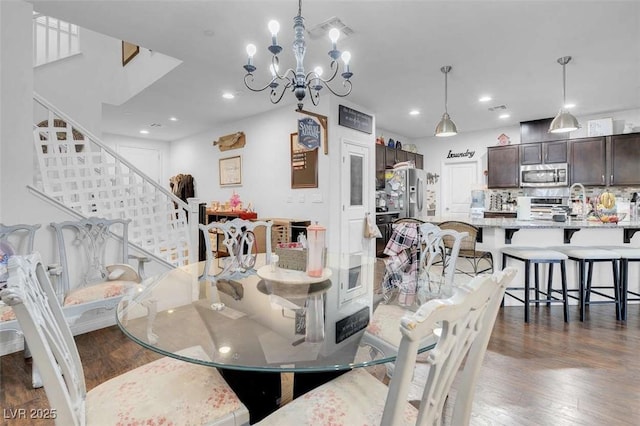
254,324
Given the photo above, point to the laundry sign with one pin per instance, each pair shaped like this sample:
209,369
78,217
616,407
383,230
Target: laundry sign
308,133
466,154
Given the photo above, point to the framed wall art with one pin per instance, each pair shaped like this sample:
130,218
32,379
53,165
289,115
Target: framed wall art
231,171
304,165
129,51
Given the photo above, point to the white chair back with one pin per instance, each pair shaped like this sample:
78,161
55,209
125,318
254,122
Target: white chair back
239,238
434,250
30,294
467,321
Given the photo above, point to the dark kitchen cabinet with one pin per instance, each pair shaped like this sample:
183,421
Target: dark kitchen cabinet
543,153
400,155
380,165
538,131
623,152
503,166
587,163
390,157
386,158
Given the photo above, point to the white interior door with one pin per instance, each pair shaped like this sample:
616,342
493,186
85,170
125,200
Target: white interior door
355,250
457,181
147,160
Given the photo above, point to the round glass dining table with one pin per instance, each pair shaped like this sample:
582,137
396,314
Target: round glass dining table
248,322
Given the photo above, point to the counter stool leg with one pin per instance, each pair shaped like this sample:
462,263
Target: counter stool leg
537,275
549,282
581,287
526,290
624,285
504,265
589,277
563,277
615,265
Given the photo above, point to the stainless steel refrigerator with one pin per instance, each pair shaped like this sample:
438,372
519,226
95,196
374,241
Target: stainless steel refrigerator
405,189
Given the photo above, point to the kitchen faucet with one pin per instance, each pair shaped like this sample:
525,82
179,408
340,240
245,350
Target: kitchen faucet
584,198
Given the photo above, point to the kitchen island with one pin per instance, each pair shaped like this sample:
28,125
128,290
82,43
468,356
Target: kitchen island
503,232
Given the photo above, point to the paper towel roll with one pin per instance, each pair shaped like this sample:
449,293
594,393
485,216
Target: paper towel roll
524,208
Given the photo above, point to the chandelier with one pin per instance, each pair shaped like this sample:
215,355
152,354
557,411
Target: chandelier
297,80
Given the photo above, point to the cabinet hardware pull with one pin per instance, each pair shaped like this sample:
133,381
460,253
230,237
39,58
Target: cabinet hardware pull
611,179
603,179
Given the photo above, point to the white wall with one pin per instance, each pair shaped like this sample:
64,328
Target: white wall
266,166
79,85
435,150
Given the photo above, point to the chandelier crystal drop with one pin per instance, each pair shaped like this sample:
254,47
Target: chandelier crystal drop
297,80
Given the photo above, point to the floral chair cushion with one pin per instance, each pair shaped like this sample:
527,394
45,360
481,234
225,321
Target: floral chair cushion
99,291
355,398
6,313
165,392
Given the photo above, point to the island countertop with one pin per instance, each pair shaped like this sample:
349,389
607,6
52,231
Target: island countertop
572,225
508,223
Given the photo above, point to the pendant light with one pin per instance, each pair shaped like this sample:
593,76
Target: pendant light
446,127
564,121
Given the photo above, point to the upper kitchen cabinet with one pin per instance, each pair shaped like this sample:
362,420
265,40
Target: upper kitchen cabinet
380,165
387,157
503,166
587,163
543,153
538,131
623,152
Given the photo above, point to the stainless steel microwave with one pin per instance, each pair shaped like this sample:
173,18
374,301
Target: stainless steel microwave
544,175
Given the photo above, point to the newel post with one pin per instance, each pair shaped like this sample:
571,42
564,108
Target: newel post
194,234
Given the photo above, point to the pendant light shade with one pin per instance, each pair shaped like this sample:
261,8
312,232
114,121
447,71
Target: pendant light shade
446,127
564,121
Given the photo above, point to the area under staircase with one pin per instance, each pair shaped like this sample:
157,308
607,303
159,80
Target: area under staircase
82,175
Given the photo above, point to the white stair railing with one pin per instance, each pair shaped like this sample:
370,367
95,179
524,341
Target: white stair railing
79,171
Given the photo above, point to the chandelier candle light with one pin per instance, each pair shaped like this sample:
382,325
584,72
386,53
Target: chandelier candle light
297,80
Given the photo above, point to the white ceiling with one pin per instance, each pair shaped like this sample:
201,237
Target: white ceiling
507,49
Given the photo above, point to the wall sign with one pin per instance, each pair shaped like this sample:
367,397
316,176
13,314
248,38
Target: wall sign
350,325
308,133
466,154
349,117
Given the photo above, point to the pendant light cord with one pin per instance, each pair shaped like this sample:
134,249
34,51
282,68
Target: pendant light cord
445,93
564,85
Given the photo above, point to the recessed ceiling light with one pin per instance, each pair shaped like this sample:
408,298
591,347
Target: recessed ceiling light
228,95
504,116
224,349
173,118
414,112
484,98
569,105
144,132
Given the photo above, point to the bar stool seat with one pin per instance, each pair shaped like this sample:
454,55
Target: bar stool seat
536,256
627,254
586,257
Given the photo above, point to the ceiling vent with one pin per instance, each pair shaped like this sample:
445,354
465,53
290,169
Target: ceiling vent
497,108
322,29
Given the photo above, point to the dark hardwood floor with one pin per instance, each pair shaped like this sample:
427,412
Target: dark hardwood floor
543,373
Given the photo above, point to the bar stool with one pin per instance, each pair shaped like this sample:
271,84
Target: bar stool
536,256
627,254
585,258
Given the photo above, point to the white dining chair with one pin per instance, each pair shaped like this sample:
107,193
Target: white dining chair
166,391
437,267
357,397
93,272
236,248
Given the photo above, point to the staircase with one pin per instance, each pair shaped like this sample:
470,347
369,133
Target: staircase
81,174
